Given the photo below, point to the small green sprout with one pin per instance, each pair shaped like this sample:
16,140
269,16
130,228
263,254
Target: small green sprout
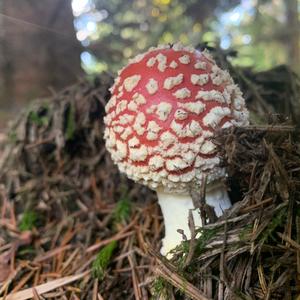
28,221
12,136
276,221
102,260
245,233
36,119
205,236
122,210
159,287
201,241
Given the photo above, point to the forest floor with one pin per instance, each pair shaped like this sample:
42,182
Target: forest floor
73,227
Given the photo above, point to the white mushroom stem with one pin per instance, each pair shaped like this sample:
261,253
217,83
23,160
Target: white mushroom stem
175,209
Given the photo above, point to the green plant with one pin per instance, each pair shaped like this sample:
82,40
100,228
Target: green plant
158,287
204,237
245,232
277,220
122,210
12,136
28,221
36,119
102,260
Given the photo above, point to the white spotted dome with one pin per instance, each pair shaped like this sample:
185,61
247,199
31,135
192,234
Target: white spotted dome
165,107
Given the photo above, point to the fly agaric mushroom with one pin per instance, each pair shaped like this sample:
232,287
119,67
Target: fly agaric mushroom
165,107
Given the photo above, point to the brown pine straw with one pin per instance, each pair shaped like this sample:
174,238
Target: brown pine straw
54,164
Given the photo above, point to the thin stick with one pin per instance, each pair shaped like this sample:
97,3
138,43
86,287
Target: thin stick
192,242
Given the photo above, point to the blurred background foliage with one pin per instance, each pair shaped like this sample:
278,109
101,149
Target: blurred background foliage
46,45
263,31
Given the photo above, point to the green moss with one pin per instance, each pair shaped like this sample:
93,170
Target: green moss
205,236
122,211
12,136
183,288
244,234
34,118
159,287
28,221
277,220
102,260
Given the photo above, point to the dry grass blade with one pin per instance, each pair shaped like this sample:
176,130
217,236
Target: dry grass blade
44,288
289,240
271,128
35,294
192,241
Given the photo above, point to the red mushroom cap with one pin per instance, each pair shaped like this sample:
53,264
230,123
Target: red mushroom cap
165,107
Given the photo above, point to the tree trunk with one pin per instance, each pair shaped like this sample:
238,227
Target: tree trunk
38,50
293,30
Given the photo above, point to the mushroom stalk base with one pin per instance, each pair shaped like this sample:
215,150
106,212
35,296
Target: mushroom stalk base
175,210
